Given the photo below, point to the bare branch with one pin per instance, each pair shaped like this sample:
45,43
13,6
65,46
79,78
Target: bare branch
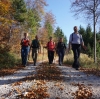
86,8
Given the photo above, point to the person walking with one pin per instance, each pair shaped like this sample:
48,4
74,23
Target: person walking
35,45
61,47
76,41
51,49
25,43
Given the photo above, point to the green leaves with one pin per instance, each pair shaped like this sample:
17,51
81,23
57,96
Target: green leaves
59,33
19,7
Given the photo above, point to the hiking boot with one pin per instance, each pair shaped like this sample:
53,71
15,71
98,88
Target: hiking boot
77,69
60,64
50,63
24,65
34,64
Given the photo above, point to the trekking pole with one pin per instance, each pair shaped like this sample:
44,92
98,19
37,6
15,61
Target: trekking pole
54,57
28,53
43,55
28,56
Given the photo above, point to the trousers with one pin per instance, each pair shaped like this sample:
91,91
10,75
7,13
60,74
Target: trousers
34,55
50,56
24,54
61,53
76,48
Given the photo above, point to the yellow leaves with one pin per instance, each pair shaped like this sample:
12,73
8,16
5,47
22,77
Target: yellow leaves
5,7
16,83
6,21
83,92
18,90
92,71
5,12
61,88
37,91
48,72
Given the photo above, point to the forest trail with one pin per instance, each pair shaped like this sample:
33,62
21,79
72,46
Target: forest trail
56,89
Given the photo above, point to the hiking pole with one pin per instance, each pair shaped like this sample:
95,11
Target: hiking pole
43,54
55,51
54,58
29,55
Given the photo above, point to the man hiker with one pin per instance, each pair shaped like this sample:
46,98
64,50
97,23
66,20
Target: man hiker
51,49
25,43
76,41
35,45
61,47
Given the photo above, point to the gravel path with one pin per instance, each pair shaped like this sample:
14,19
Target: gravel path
57,90
71,78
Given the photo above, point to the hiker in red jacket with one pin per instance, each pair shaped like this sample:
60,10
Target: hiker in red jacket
51,49
25,43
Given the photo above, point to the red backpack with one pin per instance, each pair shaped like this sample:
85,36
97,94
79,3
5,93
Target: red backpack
51,45
25,42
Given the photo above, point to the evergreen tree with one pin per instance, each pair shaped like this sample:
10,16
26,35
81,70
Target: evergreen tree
65,40
89,52
49,29
20,10
32,22
59,33
88,39
98,49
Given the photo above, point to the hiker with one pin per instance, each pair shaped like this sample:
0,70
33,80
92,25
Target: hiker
61,47
51,49
25,43
35,45
76,41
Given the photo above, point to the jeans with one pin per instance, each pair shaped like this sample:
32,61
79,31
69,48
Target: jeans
76,51
61,53
24,54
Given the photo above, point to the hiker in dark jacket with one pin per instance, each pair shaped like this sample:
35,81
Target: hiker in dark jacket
35,45
61,47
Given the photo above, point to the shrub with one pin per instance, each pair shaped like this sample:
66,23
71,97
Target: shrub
85,61
7,60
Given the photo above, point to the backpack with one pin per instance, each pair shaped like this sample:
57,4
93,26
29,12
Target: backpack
25,42
79,34
51,46
35,44
61,45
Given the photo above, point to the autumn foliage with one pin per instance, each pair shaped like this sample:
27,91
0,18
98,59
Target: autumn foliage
5,11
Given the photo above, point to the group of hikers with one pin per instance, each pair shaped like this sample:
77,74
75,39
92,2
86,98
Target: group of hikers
26,47
75,42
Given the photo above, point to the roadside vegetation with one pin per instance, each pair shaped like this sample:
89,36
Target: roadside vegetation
87,64
85,61
9,60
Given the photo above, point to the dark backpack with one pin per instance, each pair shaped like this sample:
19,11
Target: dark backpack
35,44
72,36
61,45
